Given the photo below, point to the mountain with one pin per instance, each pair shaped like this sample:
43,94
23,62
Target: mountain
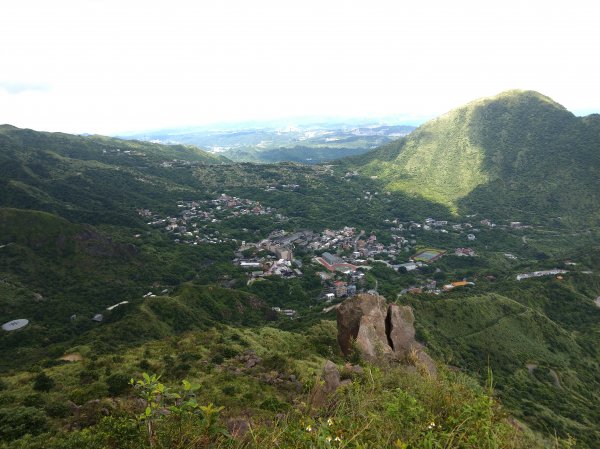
92,179
309,143
518,154
88,223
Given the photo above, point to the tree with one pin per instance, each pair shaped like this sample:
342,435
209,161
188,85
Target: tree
43,382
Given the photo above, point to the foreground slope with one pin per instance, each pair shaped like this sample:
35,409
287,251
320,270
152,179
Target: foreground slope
518,153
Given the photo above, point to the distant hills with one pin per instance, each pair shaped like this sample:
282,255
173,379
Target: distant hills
92,179
268,143
518,154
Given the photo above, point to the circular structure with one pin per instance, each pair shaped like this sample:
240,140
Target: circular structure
15,325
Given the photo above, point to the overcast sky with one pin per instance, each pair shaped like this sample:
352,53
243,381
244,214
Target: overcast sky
119,65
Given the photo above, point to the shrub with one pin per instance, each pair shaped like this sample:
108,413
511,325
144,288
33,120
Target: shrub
43,382
117,384
57,410
18,421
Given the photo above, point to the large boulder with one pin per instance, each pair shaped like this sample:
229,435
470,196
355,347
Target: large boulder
362,319
379,330
401,330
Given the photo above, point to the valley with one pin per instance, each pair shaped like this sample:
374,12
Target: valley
305,142
228,274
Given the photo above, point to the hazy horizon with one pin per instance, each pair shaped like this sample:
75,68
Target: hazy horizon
120,68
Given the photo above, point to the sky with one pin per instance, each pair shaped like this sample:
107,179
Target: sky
118,66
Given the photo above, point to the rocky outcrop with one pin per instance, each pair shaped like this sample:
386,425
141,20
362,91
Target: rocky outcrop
377,330
331,381
400,329
362,319
330,376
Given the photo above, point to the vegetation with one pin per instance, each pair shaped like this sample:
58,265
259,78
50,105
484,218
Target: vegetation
72,245
385,406
518,154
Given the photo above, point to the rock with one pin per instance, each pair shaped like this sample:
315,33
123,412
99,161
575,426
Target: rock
380,331
355,370
238,427
426,364
362,319
400,324
251,363
331,381
330,376
250,359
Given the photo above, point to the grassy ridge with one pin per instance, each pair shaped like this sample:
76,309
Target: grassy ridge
542,354
382,406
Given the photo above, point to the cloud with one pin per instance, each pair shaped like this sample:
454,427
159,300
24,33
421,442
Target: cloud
15,87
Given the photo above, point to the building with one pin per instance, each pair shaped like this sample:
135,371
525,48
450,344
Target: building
467,252
409,266
331,259
340,288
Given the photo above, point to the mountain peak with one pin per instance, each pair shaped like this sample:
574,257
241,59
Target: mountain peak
514,152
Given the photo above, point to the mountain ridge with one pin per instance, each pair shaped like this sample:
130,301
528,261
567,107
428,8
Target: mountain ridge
506,148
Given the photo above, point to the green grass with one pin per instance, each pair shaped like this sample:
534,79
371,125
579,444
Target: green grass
386,406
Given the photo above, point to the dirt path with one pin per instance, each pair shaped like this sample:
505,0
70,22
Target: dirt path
555,378
72,357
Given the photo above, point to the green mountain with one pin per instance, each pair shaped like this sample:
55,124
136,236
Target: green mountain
83,227
92,179
517,155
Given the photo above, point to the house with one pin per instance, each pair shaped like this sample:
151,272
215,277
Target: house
464,252
410,266
98,318
453,285
340,288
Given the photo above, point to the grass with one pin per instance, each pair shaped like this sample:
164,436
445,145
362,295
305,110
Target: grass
385,406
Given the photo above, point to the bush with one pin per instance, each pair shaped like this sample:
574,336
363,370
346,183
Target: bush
18,421
33,400
117,384
94,391
57,410
88,376
276,362
43,382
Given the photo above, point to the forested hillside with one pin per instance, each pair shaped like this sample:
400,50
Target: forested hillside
518,153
